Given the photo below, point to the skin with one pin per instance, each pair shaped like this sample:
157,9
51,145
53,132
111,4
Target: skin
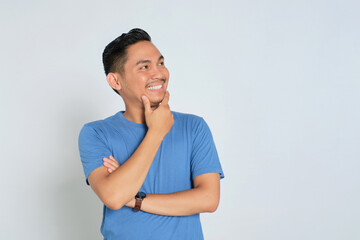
115,184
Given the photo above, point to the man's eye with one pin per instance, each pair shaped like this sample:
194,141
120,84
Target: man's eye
144,67
162,64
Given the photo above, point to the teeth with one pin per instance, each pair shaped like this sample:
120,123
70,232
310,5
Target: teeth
155,87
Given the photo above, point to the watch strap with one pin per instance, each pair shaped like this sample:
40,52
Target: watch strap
138,202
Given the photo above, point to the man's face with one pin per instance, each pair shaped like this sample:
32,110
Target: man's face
144,74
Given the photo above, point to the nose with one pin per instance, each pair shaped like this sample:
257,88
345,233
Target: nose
157,73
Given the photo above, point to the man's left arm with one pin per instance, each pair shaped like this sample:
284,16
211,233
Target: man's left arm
204,197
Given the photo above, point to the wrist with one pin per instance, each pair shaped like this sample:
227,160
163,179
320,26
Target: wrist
155,135
140,196
131,203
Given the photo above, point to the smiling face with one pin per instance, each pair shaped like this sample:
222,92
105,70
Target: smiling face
144,74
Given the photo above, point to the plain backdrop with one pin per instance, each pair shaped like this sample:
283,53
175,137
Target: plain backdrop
278,83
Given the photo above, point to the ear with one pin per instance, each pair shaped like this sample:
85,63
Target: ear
114,80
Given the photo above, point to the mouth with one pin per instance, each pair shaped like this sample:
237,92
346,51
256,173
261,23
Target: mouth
157,87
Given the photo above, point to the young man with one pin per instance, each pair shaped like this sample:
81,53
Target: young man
154,169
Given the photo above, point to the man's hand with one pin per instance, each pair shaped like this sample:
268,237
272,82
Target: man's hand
111,164
160,120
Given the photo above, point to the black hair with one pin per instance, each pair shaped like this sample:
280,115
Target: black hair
115,53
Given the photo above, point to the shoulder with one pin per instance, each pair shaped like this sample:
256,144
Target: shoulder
187,117
189,121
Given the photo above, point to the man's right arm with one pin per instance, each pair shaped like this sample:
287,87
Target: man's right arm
119,187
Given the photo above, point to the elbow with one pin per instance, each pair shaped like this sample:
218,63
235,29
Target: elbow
212,205
113,206
113,203
104,188
210,201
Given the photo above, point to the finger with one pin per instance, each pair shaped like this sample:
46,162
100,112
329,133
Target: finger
107,160
165,101
114,163
114,160
109,167
146,103
111,163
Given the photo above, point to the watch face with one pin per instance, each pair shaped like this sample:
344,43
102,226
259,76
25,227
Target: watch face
141,195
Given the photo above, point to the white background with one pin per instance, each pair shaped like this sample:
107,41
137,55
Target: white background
277,81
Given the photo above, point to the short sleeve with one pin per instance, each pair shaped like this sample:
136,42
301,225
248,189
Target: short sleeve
92,148
204,157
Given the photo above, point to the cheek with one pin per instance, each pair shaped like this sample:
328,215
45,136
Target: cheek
166,73
141,81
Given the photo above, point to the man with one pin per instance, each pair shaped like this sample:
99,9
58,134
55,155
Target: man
154,169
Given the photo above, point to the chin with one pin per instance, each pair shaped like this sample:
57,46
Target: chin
157,100
155,103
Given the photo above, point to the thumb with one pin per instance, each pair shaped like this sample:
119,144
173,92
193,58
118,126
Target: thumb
146,103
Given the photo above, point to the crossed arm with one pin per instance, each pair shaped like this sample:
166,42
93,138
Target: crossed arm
204,197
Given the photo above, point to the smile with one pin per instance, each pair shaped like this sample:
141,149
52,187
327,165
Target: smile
155,87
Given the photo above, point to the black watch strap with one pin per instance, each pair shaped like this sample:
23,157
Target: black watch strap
138,200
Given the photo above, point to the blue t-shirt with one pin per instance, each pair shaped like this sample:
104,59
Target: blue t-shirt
187,151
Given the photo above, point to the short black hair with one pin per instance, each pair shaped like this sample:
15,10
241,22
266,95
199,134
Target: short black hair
115,55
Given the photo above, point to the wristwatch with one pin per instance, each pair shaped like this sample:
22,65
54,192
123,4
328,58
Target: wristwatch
138,200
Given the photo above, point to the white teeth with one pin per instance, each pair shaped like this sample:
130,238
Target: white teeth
155,87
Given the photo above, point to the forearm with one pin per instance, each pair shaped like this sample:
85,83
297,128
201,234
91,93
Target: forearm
119,187
184,203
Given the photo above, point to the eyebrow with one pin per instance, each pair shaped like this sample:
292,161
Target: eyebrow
147,60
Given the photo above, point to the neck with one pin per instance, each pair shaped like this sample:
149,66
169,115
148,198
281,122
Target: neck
135,115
